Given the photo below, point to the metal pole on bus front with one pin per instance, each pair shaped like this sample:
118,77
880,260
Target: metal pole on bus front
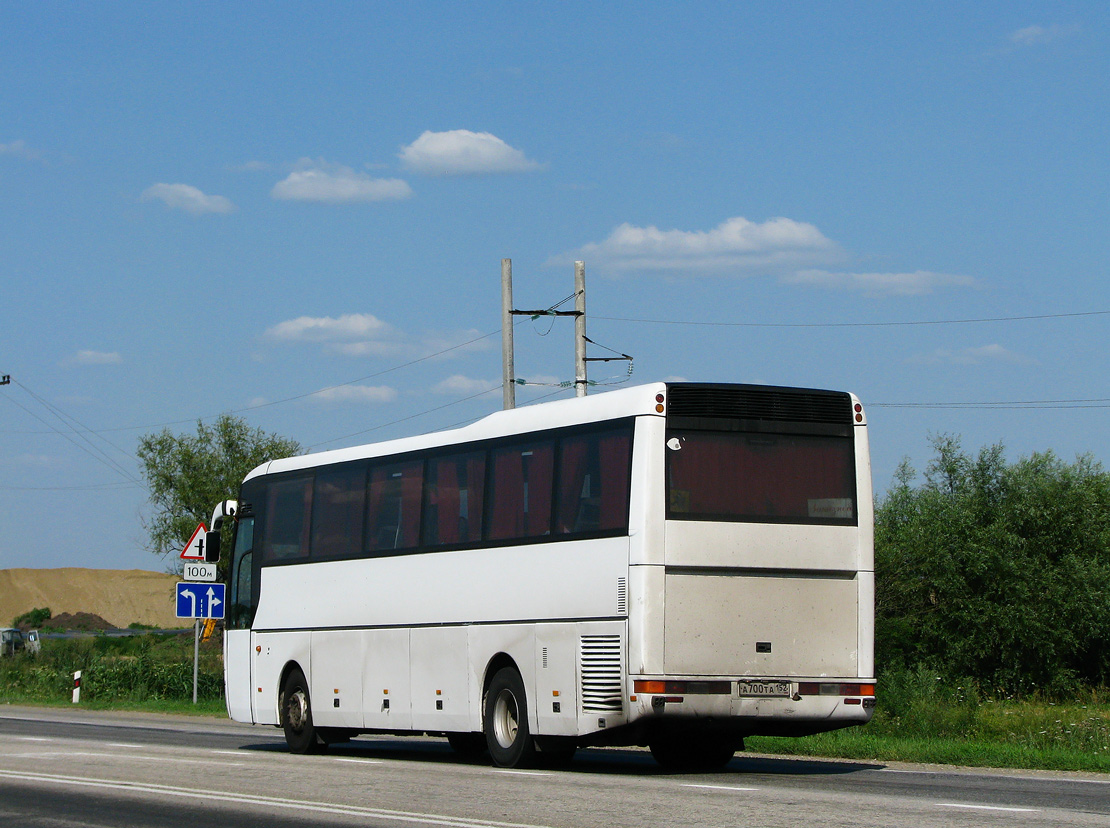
508,380
580,329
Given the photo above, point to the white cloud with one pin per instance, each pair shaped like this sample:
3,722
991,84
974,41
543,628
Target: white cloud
735,247
94,358
971,356
335,184
350,327
458,384
918,283
462,152
19,149
1033,35
363,394
187,198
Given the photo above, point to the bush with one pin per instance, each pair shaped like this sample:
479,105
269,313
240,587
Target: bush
32,618
996,570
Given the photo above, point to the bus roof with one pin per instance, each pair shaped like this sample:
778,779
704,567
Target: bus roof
626,402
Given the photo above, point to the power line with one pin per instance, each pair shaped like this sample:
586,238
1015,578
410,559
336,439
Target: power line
854,324
298,396
87,446
1017,405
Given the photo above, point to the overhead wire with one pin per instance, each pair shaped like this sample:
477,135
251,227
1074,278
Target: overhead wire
980,320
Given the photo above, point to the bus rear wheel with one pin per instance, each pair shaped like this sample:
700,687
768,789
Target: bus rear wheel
506,720
296,715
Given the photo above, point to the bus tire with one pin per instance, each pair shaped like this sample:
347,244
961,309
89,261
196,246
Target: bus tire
691,753
296,715
506,720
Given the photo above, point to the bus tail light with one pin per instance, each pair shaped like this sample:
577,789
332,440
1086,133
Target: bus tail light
824,688
656,687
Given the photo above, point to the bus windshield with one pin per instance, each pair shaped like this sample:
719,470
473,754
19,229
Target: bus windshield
760,477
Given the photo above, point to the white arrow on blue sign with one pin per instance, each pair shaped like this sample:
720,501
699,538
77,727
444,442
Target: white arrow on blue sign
200,600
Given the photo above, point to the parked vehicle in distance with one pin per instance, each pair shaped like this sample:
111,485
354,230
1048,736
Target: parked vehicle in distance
11,641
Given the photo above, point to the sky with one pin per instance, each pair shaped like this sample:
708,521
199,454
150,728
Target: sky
297,213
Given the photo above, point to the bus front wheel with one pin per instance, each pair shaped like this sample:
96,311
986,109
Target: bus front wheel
296,715
506,720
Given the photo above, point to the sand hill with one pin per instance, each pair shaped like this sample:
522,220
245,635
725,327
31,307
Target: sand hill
120,596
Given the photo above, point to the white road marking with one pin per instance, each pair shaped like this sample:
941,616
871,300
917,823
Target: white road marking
67,754
988,808
267,801
719,787
356,760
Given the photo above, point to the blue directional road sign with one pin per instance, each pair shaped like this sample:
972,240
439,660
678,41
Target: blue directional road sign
200,600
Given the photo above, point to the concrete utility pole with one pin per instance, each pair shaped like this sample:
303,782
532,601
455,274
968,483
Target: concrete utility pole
580,329
508,373
508,381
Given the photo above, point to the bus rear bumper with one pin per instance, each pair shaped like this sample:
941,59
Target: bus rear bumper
798,708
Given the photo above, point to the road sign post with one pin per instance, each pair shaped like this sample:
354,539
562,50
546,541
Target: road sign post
197,601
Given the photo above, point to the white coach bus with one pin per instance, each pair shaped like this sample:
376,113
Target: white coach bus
676,565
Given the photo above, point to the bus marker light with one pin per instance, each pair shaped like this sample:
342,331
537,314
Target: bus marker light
853,701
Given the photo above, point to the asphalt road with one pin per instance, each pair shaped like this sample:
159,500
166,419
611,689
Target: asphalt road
71,769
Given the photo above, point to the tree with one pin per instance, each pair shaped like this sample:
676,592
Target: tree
997,571
187,475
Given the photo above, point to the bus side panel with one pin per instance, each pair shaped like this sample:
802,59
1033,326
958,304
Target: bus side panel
518,641
867,624
645,619
274,652
237,675
387,698
335,685
440,686
557,698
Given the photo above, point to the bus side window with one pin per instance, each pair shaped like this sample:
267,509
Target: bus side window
288,517
240,607
338,506
453,499
393,506
521,491
594,472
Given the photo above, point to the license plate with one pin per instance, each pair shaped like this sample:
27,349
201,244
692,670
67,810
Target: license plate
764,689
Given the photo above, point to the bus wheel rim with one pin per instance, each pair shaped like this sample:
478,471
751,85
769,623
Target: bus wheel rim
505,719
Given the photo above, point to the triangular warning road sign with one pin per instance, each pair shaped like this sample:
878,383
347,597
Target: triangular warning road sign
194,549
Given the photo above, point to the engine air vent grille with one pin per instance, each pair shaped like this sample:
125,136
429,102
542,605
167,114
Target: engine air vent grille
602,673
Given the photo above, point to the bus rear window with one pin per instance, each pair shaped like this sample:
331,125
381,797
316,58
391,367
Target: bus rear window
761,478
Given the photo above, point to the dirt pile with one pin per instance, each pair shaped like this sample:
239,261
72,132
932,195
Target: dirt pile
119,596
78,621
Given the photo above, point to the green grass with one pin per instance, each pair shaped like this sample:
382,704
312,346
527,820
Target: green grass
919,718
134,672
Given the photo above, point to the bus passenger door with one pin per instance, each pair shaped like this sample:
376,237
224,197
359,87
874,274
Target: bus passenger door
238,653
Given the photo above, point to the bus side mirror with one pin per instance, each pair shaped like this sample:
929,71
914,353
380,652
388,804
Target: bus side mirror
212,547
